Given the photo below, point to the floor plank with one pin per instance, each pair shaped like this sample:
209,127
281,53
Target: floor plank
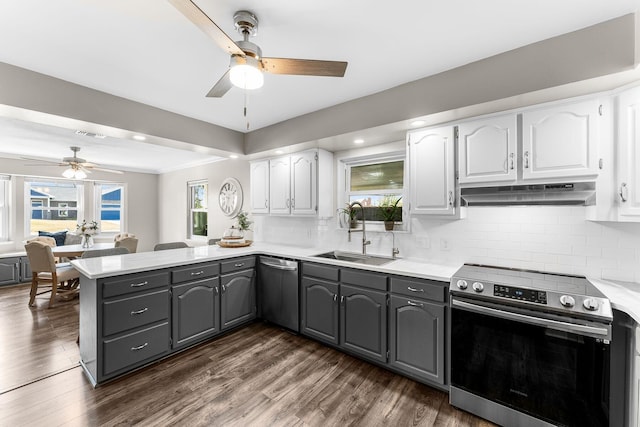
256,376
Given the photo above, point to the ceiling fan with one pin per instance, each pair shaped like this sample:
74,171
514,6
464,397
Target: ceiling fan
76,167
247,63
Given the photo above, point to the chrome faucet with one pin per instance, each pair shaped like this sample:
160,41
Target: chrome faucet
365,242
394,250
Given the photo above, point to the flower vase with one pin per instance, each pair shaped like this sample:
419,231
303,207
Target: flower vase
87,241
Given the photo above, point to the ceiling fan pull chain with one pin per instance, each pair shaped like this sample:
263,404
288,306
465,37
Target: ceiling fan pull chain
245,108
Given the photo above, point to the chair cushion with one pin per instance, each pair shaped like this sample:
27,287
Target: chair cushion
63,273
58,235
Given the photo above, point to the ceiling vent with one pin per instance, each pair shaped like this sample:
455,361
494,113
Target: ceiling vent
90,134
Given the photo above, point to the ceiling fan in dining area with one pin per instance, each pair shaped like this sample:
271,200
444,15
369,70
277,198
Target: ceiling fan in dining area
75,167
247,63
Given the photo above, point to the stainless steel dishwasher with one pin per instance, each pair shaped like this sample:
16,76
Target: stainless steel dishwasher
278,292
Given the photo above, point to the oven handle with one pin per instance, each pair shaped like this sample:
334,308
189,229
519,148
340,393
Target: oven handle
553,324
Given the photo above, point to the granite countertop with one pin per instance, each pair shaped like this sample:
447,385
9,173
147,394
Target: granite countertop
624,296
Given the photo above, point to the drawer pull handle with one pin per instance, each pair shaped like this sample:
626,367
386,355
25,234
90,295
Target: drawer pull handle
415,304
240,264
335,297
197,273
137,285
414,289
134,313
140,347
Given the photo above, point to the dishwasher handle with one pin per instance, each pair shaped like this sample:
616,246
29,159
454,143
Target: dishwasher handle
286,267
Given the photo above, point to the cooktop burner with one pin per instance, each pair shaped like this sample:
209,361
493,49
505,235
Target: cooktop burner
559,293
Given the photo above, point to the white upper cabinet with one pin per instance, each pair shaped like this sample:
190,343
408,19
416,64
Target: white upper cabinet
432,171
259,178
628,153
304,175
279,185
298,184
561,141
488,150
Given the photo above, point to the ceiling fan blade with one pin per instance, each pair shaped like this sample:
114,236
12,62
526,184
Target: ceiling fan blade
202,21
46,165
89,169
222,87
304,67
54,162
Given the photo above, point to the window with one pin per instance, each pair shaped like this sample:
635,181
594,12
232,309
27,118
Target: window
53,205
375,182
4,207
110,206
198,226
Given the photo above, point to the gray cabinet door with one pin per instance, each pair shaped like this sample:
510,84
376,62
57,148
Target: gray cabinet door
196,311
9,270
25,269
363,322
238,298
416,338
319,309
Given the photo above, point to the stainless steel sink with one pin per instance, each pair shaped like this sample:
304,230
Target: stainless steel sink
355,257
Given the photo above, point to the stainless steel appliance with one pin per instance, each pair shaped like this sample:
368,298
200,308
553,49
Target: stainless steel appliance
278,292
529,348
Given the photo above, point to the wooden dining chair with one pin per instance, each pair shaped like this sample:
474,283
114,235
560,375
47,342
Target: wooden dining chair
63,279
131,243
170,245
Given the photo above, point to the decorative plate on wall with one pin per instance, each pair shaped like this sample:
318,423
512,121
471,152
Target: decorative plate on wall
230,197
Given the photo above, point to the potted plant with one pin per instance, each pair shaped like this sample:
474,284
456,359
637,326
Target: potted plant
388,210
243,221
350,213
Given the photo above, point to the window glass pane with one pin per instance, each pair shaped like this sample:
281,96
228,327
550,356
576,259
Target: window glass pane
199,223
199,196
111,207
378,176
198,209
53,205
372,204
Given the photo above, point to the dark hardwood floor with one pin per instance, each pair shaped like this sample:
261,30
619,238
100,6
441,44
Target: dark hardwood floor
255,376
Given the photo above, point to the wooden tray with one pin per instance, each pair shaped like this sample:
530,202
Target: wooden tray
235,245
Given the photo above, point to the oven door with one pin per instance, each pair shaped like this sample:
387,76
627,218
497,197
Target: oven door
549,369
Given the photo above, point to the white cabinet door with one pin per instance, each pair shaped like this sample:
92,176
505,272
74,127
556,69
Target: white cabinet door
279,186
304,183
487,150
560,141
431,153
628,143
259,178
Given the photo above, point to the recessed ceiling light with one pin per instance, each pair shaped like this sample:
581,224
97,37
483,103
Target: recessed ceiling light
358,141
416,123
279,152
139,137
233,156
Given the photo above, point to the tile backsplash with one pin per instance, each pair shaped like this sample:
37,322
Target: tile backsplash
550,238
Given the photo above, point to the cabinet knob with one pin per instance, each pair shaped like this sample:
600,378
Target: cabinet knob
335,297
526,160
511,161
140,347
415,304
223,289
450,198
624,192
136,312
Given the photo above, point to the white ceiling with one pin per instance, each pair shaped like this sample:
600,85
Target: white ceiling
146,51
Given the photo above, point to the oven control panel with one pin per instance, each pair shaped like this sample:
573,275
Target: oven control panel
511,292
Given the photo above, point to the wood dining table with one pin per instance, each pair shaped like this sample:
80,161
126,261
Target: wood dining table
76,251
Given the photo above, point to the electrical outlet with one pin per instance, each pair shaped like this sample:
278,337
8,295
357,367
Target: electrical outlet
444,244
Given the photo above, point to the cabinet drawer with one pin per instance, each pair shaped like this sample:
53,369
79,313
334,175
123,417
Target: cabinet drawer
135,348
193,272
419,288
367,280
133,283
326,272
237,264
133,312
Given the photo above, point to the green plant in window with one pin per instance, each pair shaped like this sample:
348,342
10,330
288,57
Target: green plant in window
388,208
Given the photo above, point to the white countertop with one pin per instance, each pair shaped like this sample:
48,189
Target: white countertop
116,265
624,296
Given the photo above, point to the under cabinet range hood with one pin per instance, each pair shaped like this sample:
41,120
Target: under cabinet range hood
577,194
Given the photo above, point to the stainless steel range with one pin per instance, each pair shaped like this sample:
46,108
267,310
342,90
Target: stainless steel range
529,348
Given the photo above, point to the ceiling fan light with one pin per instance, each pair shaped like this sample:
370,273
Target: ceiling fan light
246,76
69,173
80,174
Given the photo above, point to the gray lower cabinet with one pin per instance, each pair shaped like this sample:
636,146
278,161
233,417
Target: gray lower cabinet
363,322
237,297
9,270
195,308
319,311
25,269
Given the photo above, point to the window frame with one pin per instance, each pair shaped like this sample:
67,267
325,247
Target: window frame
28,208
344,192
97,198
5,208
191,210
